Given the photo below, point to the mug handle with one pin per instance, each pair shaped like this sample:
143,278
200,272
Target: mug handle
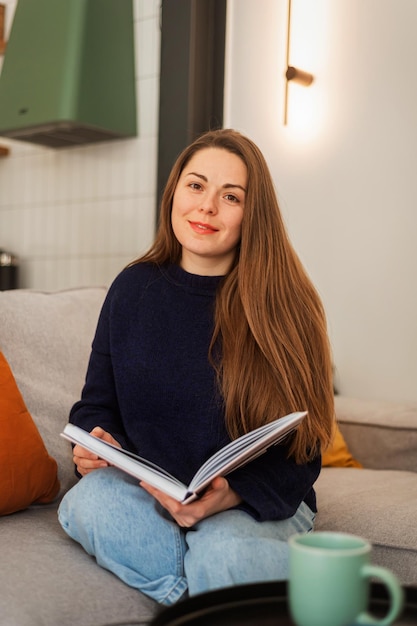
395,591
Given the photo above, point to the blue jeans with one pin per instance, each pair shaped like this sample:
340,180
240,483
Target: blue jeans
131,535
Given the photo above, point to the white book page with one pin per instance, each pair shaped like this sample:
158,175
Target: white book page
244,449
127,461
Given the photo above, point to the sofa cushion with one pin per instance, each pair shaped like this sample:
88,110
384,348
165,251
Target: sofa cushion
46,339
380,434
49,580
27,473
379,505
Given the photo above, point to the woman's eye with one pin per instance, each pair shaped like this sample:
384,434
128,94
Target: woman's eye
195,186
231,198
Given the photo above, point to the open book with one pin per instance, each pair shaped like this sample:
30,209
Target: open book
233,455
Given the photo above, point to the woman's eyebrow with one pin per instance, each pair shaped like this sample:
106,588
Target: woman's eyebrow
225,186
233,186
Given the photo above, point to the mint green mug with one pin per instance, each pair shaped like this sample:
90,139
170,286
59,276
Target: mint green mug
329,581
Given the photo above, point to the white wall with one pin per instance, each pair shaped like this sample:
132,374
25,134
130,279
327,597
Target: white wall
345,171
77,216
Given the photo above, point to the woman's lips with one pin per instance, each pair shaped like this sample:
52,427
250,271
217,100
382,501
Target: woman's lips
203,229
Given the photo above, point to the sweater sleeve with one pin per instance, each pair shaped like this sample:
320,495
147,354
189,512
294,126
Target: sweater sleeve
99,405
273,486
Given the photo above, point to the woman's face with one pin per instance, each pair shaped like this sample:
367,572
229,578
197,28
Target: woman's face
207,211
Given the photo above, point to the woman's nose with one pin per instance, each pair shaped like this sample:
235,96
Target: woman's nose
208,205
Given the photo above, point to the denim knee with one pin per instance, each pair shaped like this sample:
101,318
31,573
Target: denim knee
80,506
128,532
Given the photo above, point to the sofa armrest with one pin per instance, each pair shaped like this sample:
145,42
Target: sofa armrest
379,434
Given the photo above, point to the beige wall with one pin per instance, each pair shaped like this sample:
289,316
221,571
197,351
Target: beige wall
77,216
345,170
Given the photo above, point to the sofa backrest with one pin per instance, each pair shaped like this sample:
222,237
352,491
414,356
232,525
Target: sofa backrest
379,433
46,339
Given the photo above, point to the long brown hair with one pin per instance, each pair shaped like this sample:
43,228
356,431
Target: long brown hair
269,320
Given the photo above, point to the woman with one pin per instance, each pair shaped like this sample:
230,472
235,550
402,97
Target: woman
212,333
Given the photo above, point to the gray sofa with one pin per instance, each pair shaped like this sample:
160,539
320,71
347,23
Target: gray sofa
46,579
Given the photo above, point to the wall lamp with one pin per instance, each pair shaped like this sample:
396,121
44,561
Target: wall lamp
293,74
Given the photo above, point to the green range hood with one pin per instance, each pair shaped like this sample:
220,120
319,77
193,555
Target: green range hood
68,75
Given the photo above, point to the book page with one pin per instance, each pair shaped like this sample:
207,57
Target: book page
244,449
127,461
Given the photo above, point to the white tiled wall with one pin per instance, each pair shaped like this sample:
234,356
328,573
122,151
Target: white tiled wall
76,216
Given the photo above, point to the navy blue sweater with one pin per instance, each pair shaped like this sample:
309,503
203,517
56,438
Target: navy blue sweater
150,384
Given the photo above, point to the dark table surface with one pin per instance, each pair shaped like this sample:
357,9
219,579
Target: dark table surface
262,604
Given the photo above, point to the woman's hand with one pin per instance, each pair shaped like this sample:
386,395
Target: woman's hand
86,461
217,497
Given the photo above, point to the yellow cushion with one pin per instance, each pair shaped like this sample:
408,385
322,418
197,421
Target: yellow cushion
338,453
27,473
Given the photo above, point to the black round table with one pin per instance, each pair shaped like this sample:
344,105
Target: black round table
262,604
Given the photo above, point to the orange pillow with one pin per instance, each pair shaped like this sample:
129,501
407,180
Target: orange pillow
338,453
27,473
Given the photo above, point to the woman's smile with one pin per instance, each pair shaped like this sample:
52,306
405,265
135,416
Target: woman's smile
203,229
